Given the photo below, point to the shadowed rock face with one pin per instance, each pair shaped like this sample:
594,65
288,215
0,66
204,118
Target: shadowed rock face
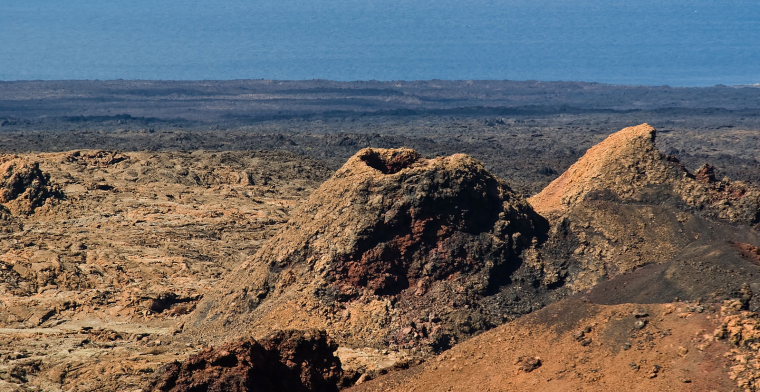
389,240
285,361
23,186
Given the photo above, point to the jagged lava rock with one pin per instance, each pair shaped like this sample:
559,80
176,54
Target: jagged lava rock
23,186
394,249
284,361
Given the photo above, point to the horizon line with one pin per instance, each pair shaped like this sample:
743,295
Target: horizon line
751,85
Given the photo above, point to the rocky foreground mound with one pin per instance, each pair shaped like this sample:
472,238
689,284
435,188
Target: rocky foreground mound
284,361
23,186
393,250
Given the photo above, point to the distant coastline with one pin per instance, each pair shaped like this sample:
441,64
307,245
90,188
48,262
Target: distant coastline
247,101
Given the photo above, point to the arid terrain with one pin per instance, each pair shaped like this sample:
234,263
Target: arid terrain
320,236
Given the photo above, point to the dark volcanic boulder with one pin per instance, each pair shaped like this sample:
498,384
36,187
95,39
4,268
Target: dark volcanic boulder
394,249
286,361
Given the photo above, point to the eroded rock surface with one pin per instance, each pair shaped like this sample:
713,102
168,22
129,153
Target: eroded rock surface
23,186
394,250
741,328
92,285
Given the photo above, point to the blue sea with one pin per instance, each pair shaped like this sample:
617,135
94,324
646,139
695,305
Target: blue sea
674,42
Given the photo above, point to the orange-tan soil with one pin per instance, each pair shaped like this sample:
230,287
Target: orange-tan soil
575,345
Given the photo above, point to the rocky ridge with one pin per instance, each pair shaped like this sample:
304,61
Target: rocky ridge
628,164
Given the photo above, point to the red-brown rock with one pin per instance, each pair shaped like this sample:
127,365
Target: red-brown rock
285,361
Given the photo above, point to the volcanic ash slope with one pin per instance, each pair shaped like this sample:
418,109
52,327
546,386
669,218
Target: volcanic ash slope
394,250
573,345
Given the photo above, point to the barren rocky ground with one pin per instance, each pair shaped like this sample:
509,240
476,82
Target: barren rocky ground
281,254
94,281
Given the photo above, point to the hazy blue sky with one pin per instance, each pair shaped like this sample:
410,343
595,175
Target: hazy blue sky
677,42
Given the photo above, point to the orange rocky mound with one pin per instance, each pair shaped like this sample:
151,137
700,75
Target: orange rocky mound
394,250
625,204
628,163
624,162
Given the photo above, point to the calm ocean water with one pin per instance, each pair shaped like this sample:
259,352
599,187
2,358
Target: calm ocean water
676,42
